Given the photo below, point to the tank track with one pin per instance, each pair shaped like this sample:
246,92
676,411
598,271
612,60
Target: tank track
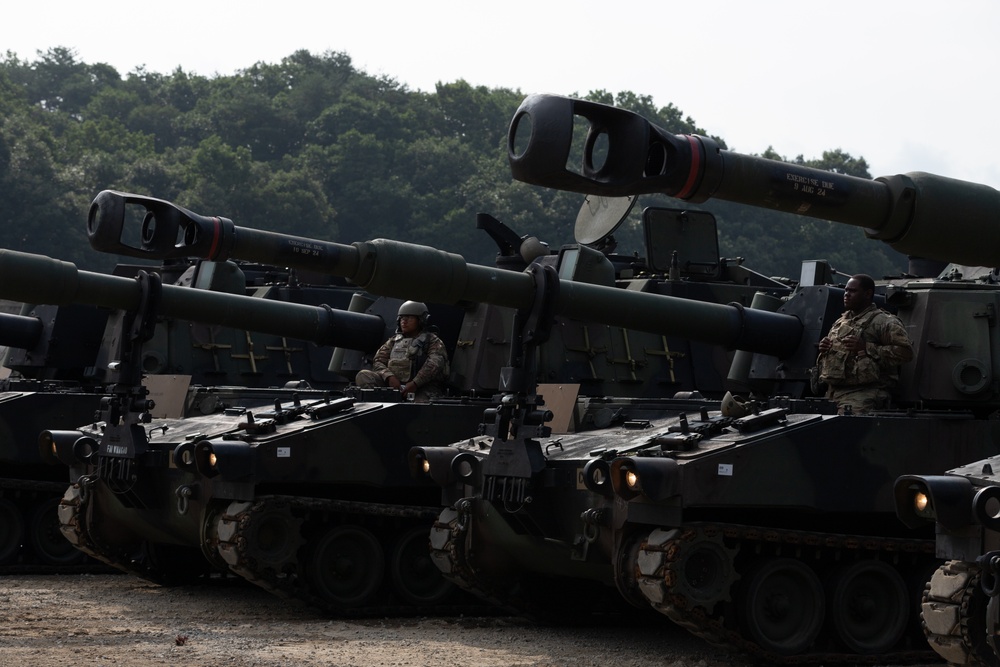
74,520
272,542
449,553
953,615
662,558
546,600
30,540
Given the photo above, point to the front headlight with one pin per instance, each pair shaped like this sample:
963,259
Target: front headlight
233,461
205,459
922,505
656,478
946,499
66,447
433,462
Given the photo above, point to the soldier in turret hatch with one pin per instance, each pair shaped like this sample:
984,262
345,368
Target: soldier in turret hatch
414,360
859,359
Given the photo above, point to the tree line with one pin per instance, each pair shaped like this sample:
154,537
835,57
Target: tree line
315,147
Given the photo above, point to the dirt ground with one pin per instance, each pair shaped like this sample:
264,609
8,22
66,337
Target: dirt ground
59,620
85,620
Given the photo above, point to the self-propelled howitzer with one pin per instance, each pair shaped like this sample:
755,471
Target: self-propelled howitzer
553,285
62,363
918,214
42,280
772,528
145,489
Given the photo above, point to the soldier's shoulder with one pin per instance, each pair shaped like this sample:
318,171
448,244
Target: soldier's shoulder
886,316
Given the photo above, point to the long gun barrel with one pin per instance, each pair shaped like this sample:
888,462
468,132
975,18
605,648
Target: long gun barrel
20,331
38,279
404,270
624,154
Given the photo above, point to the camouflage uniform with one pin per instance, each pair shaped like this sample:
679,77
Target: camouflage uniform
864,379
401,356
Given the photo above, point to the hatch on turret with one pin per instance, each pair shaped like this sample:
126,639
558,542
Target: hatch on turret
685,240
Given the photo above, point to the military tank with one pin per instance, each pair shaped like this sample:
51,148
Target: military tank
127,412
764,523
328,512
960,609
55,361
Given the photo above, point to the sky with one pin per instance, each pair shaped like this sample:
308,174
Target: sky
909,86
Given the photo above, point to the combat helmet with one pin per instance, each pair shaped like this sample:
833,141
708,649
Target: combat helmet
415,308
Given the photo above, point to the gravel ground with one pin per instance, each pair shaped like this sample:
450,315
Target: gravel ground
84,620
50,621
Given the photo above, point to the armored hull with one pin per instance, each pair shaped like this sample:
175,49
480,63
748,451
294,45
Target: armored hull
786,544
306,495
709,519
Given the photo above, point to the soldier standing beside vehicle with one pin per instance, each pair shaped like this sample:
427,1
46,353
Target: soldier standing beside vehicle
859,359
414,360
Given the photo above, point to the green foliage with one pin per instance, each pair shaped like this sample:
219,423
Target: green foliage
314,147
